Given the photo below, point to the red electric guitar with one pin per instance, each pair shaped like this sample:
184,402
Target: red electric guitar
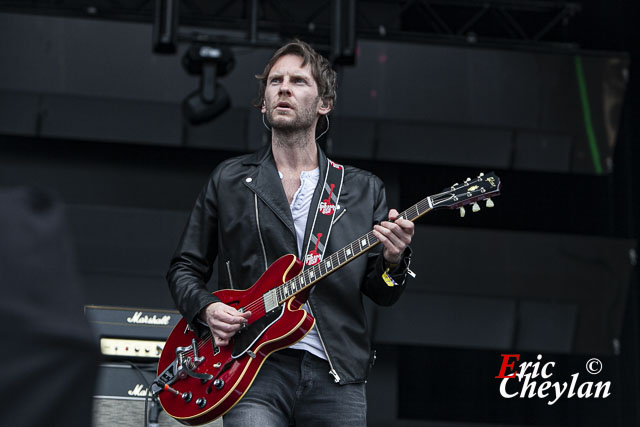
198,382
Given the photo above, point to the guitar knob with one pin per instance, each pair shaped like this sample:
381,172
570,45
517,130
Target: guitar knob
489,203
476,207
201,402
218,384
462,212
187,396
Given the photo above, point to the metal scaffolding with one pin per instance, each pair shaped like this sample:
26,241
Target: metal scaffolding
487,23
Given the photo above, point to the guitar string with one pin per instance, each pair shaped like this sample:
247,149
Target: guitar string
371,239
420,206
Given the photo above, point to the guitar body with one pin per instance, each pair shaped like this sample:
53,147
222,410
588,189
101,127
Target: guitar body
236,365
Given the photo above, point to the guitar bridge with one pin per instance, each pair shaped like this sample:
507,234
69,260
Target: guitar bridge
182,367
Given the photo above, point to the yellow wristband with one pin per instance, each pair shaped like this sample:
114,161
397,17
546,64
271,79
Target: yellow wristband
387,279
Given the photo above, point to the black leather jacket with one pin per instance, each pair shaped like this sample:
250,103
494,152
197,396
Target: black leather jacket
242,217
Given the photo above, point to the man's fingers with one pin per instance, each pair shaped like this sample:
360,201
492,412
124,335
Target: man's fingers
399,225
395,233
231,315
219,341
388,235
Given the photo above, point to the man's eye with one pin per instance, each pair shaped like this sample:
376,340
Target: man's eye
275,80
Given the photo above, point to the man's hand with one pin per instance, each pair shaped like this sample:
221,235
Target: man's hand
224,321
395,236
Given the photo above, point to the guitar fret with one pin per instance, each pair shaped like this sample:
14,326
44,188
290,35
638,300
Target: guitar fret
337,260
371,239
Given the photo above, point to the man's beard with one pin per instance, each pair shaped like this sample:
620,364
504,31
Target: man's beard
304,120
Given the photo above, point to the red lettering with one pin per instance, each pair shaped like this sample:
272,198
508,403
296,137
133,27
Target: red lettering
506,364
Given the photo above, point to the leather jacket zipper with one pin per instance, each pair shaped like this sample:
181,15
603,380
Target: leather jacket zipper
264,252
229,273
336,377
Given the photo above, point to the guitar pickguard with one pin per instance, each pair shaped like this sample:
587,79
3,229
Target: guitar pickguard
245,338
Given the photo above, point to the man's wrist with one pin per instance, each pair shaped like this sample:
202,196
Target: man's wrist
401,265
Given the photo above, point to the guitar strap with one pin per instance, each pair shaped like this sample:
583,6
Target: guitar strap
324,214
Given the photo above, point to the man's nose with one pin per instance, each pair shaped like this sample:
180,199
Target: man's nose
284,87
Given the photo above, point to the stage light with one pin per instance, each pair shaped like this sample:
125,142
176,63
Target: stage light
211,99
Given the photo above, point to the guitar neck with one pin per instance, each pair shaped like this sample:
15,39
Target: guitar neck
456,196
340,258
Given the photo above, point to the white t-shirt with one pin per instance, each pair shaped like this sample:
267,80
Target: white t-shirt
300,210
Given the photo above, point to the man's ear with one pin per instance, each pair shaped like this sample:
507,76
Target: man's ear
324,108
263,108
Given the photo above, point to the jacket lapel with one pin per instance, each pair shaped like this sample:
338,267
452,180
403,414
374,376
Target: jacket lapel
265,182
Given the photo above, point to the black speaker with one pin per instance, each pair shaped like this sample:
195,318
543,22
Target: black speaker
119,398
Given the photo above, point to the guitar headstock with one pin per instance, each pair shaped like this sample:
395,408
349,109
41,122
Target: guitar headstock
484,187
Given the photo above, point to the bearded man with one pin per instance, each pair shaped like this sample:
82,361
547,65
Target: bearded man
256,208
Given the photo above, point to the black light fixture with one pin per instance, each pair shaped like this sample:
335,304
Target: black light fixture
211,99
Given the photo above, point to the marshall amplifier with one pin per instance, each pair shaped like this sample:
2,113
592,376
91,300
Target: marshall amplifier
119,398
131,333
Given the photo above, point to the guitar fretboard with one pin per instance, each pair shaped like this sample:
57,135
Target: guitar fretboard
338,259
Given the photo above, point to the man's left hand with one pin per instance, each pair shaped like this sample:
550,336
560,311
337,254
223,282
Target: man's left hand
395,235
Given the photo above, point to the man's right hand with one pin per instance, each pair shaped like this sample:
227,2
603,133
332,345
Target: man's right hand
224,321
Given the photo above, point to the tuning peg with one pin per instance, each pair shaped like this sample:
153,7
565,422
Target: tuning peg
476,207
489,203
481,175
462,212
467,180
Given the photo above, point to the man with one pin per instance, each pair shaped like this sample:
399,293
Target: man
258,207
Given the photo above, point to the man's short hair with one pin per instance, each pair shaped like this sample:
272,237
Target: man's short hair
321,70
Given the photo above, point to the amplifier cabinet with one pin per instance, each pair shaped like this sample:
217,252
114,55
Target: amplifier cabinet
119,397
131,333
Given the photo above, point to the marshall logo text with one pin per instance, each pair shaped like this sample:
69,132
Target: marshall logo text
139,391
148,320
